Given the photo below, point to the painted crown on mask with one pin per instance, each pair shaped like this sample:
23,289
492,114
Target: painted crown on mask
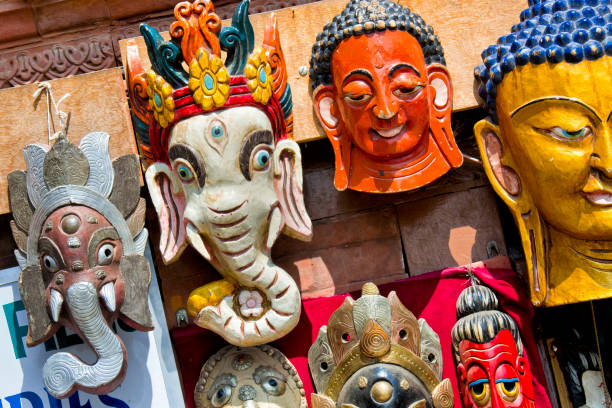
167,93
550,31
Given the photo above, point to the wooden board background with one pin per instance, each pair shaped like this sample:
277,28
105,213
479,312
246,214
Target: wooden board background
97,102
465,28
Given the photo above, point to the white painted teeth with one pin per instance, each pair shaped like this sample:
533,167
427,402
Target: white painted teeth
601,198
55,303
108,294
389,132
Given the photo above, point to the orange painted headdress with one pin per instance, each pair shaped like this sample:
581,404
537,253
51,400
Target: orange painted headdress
167,93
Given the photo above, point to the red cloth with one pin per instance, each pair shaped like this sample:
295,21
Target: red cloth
431,296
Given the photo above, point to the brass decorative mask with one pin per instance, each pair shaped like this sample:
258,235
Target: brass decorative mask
374,352
251,377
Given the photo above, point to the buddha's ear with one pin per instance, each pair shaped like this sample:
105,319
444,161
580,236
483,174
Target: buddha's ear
500,166
498,162
440,107
326,107
442,100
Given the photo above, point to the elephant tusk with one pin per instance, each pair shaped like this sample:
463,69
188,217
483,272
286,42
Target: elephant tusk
55,304
108,294
275,227
196,241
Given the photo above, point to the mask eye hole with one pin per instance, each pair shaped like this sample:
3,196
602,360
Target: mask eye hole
49,263
480,391
221,396
273,385
261,158
508,388
106,254
183,171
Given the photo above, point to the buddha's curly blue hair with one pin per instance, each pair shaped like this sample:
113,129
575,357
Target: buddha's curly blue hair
550,31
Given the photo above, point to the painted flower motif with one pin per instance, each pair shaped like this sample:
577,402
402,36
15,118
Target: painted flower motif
258,73
160,98
250,303
208,80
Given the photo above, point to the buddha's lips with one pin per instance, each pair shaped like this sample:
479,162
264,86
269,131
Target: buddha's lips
390,132
601,197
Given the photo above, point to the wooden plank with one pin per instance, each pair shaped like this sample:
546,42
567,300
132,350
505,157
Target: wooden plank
465,28
97,103
346,251
323,200
450,230
562,392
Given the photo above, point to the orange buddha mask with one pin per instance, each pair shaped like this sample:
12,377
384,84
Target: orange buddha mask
384,103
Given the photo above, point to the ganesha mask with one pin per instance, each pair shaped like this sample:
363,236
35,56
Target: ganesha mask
374,352
251,377
79,228
383,96
224,175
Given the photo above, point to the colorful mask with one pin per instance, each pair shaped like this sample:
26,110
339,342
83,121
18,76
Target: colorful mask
546,146
374,352
491,369
384,97
224,174
252,377
78,224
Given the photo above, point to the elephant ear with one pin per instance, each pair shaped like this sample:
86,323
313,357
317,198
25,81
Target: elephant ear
288,186
34,297
136,277
169,201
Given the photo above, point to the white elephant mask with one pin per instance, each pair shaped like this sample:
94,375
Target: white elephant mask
223,174
78,224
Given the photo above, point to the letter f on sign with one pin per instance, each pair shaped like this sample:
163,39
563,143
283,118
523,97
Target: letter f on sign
17,331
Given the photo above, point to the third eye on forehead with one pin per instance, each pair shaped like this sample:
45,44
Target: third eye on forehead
187,153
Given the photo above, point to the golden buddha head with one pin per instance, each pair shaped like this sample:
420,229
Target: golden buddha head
546,145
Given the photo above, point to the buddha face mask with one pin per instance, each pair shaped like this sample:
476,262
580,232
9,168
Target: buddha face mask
252,377
547,147
78,224
223,174
374,352
491,369
383,101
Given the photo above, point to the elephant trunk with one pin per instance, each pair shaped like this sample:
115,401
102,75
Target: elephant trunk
63,371
280,318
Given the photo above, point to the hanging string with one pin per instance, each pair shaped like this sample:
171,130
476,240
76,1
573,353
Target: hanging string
52,108
601,367
472,276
